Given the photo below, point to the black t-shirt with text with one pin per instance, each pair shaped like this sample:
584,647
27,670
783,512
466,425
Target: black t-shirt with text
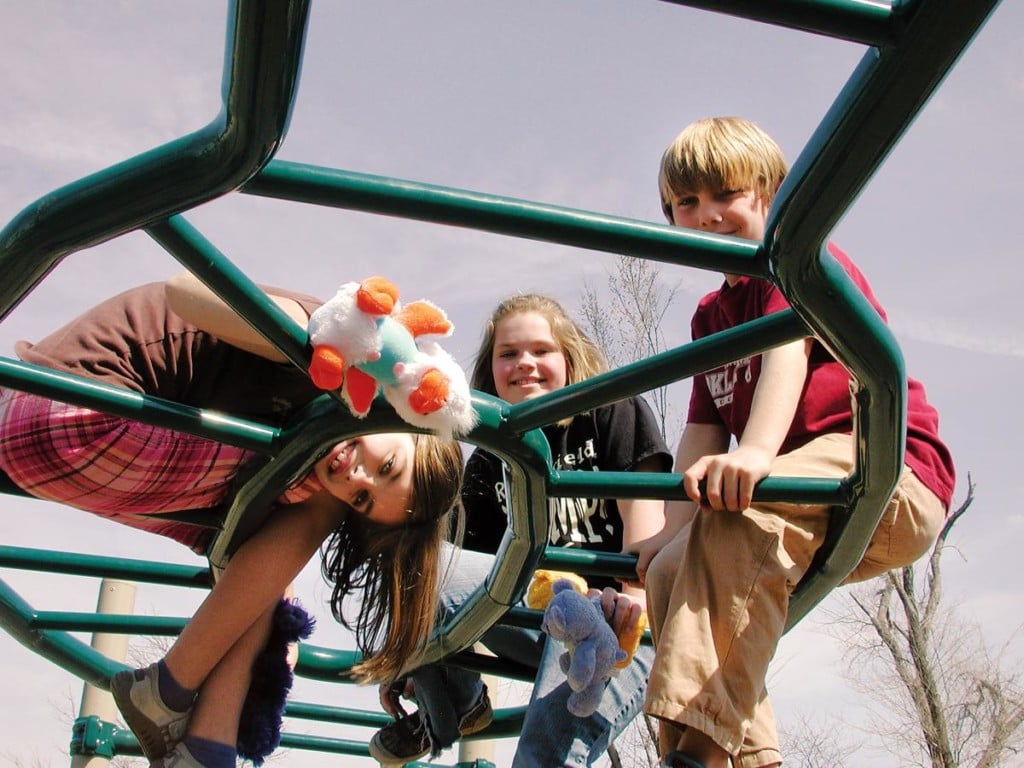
613,438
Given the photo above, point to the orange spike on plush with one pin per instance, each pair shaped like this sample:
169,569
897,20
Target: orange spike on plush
431,394
422,318
377,296
327,368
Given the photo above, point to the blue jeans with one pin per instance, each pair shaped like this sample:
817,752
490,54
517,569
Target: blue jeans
551,736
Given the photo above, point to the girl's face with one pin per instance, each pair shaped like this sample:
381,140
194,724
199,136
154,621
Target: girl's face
372,474
527,361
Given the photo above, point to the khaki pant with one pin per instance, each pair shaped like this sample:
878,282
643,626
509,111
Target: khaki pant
718,593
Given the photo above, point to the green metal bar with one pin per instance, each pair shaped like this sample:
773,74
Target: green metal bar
325,744
67,388
878,103
664,368
62,649
187,245
870,23
329,714
116,624
880,100
261,74
77,564
665,485
505,215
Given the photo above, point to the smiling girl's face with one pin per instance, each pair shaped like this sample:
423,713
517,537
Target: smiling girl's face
527,361
372,474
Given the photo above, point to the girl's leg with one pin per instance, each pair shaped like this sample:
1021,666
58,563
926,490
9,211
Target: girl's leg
552,736
445,695
218,708
252,583
249,589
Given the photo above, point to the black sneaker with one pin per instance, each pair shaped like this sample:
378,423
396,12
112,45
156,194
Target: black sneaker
406,740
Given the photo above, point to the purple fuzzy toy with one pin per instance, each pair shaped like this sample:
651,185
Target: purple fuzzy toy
259,731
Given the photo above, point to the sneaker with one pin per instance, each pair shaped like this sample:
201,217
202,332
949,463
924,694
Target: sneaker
179,757
406,740
156,726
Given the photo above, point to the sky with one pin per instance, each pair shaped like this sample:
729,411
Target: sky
569,103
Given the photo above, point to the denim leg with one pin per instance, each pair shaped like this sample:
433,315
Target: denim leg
444,693
552,736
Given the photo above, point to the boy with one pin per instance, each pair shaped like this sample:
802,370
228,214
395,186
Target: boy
719,575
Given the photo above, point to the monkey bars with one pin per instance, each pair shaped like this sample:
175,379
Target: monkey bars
910,46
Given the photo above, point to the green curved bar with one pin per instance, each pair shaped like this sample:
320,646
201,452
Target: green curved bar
878,103
853,20
261,75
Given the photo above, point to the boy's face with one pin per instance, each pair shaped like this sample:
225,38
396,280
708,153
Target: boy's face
737,212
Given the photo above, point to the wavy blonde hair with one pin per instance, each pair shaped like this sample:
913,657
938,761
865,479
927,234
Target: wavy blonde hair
397,569
583,358
718,153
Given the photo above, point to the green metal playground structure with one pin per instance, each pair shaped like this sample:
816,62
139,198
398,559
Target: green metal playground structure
910,47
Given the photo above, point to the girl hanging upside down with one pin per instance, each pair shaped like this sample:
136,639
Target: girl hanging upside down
379,504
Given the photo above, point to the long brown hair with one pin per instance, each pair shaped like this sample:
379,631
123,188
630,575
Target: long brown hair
396,570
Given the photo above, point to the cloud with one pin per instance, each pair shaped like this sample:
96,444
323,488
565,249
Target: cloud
949,331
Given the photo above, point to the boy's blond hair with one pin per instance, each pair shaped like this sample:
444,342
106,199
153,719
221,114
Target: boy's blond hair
719,153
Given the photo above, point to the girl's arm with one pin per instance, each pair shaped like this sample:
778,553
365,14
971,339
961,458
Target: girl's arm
731,477
191,300
641,519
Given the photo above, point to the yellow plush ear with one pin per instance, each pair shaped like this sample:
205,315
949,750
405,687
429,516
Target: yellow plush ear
629,640
539,594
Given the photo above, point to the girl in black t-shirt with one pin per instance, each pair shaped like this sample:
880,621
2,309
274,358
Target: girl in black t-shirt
531,347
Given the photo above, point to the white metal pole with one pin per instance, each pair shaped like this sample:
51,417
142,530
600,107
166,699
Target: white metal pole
115,597
470,751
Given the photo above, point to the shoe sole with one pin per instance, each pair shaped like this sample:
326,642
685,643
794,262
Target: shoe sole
380,753
149,735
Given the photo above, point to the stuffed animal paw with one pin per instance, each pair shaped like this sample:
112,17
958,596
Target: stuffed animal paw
364,342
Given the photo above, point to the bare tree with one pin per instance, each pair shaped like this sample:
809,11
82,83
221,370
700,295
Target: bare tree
65,710
636,747
813,744
628,325
948,700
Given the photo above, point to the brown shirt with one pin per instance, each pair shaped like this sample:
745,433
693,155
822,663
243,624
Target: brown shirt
134,341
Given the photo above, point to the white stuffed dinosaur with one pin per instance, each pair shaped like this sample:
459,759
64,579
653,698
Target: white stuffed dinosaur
363,340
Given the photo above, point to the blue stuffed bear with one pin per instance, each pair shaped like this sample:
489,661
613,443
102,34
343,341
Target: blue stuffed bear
593,650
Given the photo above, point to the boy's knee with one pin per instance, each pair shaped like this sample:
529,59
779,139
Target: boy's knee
909,528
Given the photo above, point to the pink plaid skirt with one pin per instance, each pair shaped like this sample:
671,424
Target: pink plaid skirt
111,466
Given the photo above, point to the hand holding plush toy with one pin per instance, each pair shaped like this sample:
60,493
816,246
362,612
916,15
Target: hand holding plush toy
363,340
594,653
